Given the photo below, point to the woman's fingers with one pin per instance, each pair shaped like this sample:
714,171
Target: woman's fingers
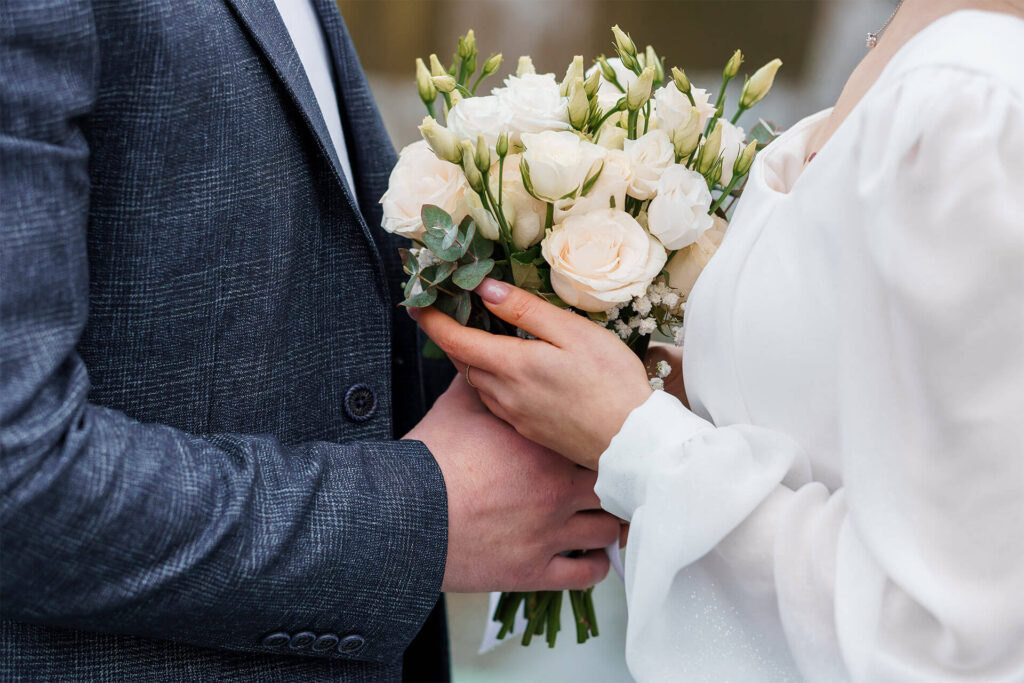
530,313
465,344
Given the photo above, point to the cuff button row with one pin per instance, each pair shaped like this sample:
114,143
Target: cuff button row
308,640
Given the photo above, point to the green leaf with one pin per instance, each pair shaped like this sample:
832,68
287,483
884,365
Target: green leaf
552,298
424,298
467,231
435,217
433,351
527,277
480,247
527,257
447,304
438,273
472,274
764,132
435,241
411,266
464,306
589,182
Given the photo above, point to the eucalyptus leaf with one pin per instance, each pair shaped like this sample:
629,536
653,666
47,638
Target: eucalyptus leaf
435,242
467,231
410,265
527,277
424,298
447,304
433,351
438,273
464,306
480,247
436,217
471,275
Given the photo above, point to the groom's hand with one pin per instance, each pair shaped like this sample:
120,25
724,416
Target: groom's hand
513,506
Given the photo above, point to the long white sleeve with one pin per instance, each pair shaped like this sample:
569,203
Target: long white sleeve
913,570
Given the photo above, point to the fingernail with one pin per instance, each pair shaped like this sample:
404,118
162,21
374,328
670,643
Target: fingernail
413,312
493,291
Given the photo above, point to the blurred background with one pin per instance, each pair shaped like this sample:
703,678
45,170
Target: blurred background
819,41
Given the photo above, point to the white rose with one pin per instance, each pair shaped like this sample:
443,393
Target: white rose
613,183
475,116
678,215
525,213
685,267
601,259
649,156
421,178
733,142
533,103
559,162
607,94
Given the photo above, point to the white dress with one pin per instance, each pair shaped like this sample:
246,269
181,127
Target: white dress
846,500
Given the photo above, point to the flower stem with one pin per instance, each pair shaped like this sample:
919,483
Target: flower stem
549,217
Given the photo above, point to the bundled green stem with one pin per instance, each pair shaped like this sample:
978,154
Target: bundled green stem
543,612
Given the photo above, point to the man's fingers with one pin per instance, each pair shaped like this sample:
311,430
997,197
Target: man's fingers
528,312
465,344
575,573
588,531
583,496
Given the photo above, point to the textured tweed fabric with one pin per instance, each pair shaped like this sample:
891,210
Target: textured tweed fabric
203,369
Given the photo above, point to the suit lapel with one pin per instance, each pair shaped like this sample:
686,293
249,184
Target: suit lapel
263,23
370,150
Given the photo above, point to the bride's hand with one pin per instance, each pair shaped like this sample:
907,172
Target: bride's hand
570,389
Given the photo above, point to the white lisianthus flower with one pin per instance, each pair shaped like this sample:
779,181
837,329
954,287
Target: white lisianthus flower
678,214
685,267
611,136
613,183
475,116
601,259
673,107
649,157
525,213
733,142
421,178
533,103
486,224
607,93
559,162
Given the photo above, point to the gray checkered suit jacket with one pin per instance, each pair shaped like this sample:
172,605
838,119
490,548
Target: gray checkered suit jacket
203,368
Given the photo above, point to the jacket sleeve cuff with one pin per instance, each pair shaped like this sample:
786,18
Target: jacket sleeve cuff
633,454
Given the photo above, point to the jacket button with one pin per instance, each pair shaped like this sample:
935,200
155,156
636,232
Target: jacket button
302,640
360,403
325,642
351,644
279,639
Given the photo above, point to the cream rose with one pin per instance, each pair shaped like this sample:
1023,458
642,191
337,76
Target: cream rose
673,107
559,162
732,144
685,267
601,259
616,175
475,116
421,178
533,103
649,157
678,215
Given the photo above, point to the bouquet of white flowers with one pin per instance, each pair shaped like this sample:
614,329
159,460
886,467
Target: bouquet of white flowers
606,193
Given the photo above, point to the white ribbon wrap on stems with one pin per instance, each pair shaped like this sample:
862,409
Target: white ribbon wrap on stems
490,639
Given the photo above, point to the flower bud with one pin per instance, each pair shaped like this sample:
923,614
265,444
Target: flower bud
525,66
631,63
592,84
623,43
467,45
444,83
732,67
574,71
473,175
715,173
686,138
428,92
436,68
492,64
442,141
681,81
640,90
744,160
502,145
606,69
483,154
654,60
759,84
579,105
709,152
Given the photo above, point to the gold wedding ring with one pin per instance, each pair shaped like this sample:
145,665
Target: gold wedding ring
468,380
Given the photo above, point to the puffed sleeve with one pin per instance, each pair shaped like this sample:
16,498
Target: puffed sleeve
914,569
